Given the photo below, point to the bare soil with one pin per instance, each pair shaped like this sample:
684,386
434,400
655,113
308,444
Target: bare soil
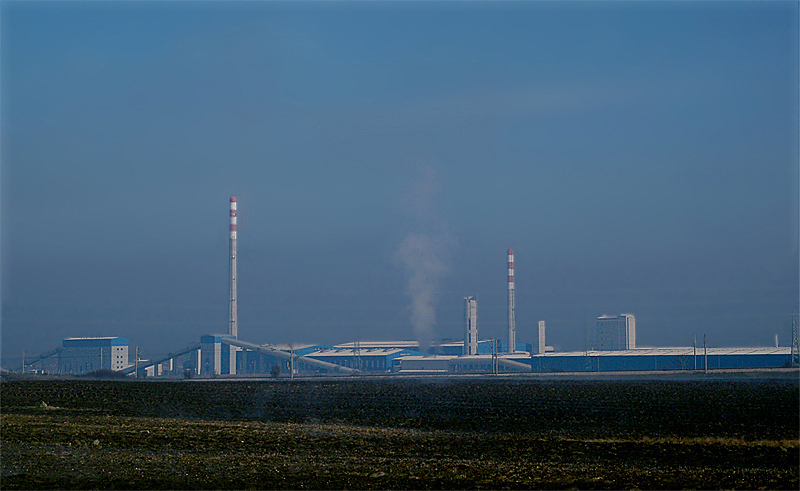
401,434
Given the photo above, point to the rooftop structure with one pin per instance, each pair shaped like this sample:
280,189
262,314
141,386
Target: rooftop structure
542,346
615,333
471,325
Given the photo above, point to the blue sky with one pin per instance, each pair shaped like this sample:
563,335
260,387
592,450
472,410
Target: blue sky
638,156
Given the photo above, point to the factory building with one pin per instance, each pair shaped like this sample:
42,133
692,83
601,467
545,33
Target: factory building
256,362
615,333
438,347
479,364
442,347
84,355
184,363
225,354
366,360
216,357
647,359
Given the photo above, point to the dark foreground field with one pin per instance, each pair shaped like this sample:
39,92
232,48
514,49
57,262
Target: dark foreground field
392,433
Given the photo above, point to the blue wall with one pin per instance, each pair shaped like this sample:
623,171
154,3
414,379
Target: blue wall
94,343
610,363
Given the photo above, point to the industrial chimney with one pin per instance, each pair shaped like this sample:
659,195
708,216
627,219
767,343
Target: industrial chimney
232,314
512,341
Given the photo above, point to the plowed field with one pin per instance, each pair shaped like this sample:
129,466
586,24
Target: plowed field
442,433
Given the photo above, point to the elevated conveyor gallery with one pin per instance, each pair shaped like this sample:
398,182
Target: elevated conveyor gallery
156,361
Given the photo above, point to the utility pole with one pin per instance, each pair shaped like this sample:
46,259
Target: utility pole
586,346
795,340
291,362
136,362
694,351
494,357
705,354
101,358
23,362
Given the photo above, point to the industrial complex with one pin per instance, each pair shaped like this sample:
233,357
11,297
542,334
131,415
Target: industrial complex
614,349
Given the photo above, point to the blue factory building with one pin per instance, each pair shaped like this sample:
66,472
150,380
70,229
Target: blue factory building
224,355
648,359
84,355
217,357
366,360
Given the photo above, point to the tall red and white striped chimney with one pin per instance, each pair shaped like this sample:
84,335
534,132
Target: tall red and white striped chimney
512,330
232,308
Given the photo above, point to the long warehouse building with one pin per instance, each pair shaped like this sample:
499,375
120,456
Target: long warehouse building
646,359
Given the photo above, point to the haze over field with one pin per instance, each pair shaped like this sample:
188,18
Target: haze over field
639,157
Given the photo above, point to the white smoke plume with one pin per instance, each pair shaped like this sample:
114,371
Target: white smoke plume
422,255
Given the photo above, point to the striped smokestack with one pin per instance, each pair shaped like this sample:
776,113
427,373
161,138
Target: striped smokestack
512,336
232,308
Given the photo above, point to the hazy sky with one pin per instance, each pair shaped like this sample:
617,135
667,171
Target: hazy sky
640,157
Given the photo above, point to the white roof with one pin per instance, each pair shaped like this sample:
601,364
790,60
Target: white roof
404,344
689,351
381,344
481,356
288,347
351,352
83,339
428,357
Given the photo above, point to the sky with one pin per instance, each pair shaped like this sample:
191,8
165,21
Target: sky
639,157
